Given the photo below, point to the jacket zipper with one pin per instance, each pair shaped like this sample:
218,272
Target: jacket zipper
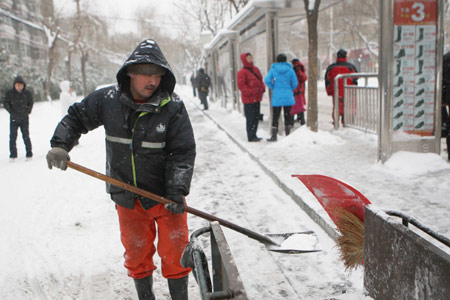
133,166
131,148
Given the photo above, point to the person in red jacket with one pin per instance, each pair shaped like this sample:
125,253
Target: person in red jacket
341,66
299,93
251,85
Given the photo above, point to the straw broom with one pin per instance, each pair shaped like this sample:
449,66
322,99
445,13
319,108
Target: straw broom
351,241
345,206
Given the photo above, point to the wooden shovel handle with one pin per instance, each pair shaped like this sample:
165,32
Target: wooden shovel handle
118,183
251,234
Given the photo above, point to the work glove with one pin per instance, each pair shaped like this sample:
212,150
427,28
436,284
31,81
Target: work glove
176,207
57,157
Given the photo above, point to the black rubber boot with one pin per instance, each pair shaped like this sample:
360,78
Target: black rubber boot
261,117
287,129
273,138
448,145
144,288
302,118
178,288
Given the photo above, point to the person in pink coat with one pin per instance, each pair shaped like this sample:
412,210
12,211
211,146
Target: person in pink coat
250,83
299,93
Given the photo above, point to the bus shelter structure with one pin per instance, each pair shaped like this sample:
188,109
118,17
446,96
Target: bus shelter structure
262,28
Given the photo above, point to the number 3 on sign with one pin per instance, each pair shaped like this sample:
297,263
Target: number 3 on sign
420,13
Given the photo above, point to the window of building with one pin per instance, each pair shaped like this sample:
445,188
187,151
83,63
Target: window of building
16,4
3,45
20,49
11,46
30,5
35,53
26,50
4,20
17,25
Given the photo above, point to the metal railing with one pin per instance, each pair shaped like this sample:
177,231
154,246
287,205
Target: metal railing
227,283
361,103
408,220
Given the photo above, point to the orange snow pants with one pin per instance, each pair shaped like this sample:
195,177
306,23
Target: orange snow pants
138,233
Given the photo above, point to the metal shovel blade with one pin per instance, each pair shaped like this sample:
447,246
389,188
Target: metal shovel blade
294,242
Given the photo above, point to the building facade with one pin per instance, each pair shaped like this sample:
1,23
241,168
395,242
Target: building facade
22,39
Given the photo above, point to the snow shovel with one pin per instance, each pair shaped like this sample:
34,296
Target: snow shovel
345,206
295,242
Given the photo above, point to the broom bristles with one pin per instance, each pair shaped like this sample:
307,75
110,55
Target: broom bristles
351,241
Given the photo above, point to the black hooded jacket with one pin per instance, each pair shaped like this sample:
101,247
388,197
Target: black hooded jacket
203,82
446,79
148,145
19,105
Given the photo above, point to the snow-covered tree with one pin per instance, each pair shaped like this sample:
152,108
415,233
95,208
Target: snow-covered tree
359,25
210,15
68,60
51,30
237,5
90,34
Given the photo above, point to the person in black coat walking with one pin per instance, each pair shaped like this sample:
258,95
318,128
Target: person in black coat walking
446,100
149,144
18,101
194,86
203,82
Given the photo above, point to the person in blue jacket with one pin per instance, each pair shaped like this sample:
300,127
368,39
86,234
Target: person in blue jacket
282,80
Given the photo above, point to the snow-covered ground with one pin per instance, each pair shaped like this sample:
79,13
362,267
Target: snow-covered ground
60,236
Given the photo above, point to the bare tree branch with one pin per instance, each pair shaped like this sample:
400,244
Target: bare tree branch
208,22
369,44
238,5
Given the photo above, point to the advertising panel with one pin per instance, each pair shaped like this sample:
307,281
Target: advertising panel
414,68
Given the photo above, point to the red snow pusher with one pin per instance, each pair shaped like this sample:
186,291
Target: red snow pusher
345,206
295,242
334,195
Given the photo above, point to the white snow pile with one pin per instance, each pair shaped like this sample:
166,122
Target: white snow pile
303,136
410,164
301,241
351,133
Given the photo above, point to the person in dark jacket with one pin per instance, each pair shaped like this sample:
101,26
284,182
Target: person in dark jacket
250,83
194,86
341,66
203,82
299,93
18,101
446,100
282,80
149,144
